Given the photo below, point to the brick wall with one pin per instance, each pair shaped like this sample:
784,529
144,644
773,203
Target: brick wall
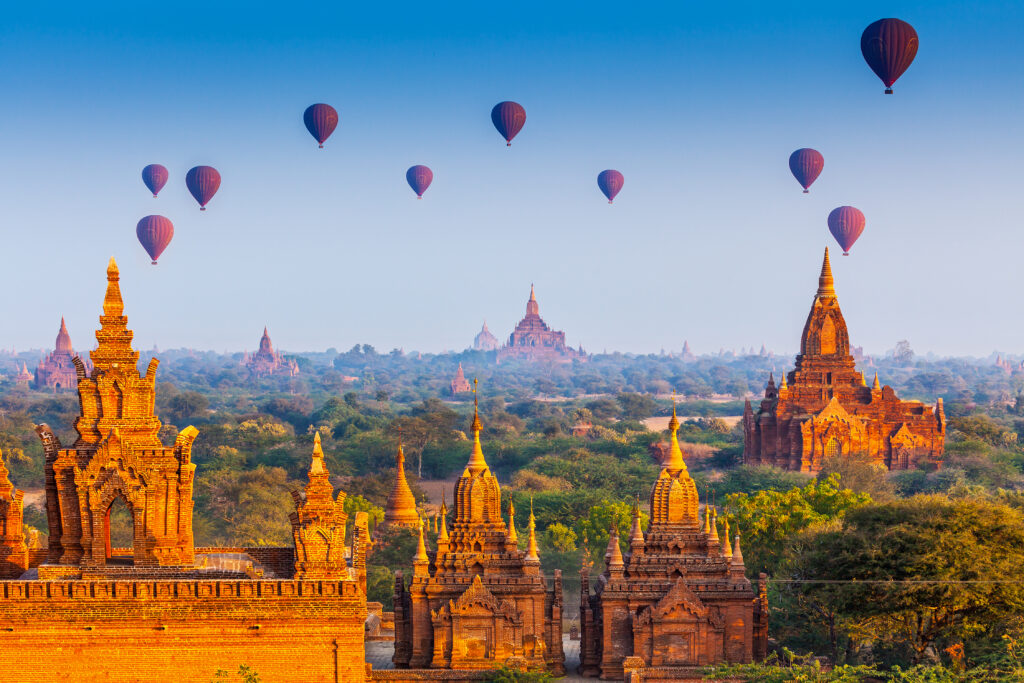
143,631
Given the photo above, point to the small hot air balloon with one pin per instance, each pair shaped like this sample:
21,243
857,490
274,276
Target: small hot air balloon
321,120
203,182
846,224
889,47
419,178
508,118
806,165
610,182
155,233
155,177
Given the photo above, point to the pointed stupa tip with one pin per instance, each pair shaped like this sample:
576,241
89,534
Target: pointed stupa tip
826,284
513,536
614,552
113,305
783,385
714,525
421,548
476,457
636,534
737,554
317,464
876,385
674,462
533,297
112,270
726,548
532,553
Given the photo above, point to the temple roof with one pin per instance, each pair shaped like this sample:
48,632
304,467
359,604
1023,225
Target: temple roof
400,509
63,338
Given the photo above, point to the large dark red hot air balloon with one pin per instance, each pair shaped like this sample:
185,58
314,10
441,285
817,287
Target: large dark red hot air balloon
889,46
155,233
203,182
846,224
610,182
321,120
419,178
806,165
508,118
155,177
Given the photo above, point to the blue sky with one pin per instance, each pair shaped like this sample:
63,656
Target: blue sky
698,104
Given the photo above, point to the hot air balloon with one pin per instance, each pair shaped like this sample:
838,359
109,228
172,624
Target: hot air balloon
419,178
203,182
806,165
155,177
610,182
846,224
889,47
155,233
508,118
321,120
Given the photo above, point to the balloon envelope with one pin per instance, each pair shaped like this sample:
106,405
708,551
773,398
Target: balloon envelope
806,165
889,47
419,178
610,182
155,177
155,233
203,182
846,224
508,118
321,120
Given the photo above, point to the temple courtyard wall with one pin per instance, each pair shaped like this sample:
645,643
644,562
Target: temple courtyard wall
289,631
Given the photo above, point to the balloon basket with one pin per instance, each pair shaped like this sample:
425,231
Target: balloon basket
152,263
202,208
888,91
508,144
807,191
609,201
419,196
321,146
846,253
154,196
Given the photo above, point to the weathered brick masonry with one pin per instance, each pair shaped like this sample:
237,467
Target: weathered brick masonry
165,610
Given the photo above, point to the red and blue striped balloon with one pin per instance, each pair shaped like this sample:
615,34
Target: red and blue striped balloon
321,120
154,233
846,224
203,182
419,178
508,118
806,165
889,47
155,177
610,182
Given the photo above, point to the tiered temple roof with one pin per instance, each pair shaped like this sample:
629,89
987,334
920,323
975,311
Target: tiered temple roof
532,339
266,362
57,370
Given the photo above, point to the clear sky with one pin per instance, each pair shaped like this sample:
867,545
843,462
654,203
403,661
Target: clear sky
698,104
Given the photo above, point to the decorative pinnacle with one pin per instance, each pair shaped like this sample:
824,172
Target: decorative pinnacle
113,304
674,462
512,535
476,458
876,385
615,560
532,553
726,549
826,284
317,465
442,534
737,554
421,548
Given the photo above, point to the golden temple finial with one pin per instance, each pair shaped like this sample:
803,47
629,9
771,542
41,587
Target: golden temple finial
317,464
826,283
636,534
421,548
513,537
726,548
783,385
737,554
476,458
876,385
615,560
442,534
674,462
714,525
113,304
532,553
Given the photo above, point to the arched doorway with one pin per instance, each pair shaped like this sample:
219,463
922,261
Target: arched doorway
119,533
833,448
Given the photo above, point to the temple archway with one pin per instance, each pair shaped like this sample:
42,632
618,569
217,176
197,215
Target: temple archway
833,448
119,533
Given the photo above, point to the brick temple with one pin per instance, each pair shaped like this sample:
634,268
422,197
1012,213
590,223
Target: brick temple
532,339
678,598
478,601
485,341
459,384
824,407
400,509
266,361
57,370
82,610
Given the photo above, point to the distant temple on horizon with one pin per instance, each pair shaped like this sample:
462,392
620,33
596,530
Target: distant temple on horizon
57,370
267,362
824,407
485,341
460,385
534,340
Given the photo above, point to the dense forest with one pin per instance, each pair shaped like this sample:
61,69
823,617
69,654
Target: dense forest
868,570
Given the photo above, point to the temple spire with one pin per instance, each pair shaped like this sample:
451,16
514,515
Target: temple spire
636,534
674,462
532,553
442,534
513,537
726,548
421,550
532,308
317,464
113,304
876,385
63,338
400,508
826,284
476,458
615,561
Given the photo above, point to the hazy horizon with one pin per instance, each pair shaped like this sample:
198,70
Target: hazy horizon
710,240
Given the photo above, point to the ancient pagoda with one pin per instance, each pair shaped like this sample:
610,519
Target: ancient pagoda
485,341
400,509
266,362
478,601
678,598
57,370
460,385
532,339
824,407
